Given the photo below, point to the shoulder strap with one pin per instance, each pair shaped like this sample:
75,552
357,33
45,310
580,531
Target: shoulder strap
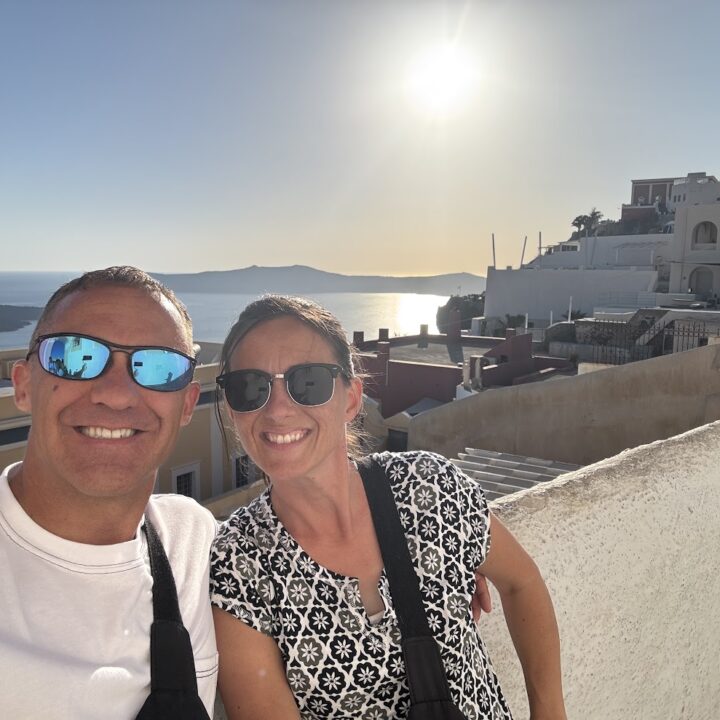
165,600
423,664
404,585
172,665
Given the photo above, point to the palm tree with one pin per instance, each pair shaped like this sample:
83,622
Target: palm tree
587,223
579,223
592,220
576,315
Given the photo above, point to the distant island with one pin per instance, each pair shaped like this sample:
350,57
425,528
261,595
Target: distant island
255,280
300,279
14,317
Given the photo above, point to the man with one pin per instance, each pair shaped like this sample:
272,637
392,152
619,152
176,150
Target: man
76,592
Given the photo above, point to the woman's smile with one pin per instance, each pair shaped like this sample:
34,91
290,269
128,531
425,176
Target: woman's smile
285,438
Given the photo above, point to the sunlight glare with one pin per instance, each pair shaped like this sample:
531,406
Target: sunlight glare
412,310
441,79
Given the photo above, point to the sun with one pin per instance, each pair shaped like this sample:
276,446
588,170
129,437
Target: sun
441,80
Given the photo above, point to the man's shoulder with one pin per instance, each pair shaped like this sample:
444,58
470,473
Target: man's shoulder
181,518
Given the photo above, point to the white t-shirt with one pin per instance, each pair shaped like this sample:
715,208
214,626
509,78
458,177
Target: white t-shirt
75,619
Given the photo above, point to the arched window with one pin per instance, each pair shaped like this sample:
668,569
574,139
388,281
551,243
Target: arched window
705,233
701,282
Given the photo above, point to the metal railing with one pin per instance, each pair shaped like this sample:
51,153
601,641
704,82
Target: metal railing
616,343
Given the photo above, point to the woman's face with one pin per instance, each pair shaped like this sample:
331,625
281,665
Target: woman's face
283,438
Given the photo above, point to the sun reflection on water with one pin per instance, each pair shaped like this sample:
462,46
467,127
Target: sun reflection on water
415,310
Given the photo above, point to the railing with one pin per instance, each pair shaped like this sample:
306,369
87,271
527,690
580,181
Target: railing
616,343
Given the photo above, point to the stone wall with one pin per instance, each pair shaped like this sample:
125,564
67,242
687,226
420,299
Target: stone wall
581,419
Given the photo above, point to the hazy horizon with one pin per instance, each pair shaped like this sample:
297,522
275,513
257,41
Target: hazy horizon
195,272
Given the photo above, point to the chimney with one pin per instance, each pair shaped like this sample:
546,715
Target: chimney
423,342
454,326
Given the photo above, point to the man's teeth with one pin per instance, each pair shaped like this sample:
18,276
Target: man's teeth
287,438
103,433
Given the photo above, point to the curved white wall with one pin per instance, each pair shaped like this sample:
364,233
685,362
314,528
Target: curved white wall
630,549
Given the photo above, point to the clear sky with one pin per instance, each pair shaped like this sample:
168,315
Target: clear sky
185,136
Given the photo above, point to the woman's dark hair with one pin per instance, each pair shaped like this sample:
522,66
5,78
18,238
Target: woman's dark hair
320,321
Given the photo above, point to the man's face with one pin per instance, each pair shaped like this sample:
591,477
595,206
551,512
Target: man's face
67,448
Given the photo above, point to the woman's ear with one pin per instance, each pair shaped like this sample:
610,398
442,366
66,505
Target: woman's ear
354,399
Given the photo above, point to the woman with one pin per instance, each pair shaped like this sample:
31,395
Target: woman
304,618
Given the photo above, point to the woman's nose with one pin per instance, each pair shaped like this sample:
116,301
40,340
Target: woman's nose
279,400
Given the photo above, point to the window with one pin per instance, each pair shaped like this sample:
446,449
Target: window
184,483
186,480
246,472
705,233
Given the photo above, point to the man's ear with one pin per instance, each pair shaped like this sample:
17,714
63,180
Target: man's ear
354,399
21,383
192,394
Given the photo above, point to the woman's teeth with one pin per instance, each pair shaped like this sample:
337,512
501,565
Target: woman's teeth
286,438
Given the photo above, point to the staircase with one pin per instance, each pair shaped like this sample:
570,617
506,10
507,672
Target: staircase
503,473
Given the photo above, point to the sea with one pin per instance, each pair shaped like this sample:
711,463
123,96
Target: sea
213,314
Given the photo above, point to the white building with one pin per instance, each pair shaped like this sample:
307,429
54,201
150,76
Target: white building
696,258
677,266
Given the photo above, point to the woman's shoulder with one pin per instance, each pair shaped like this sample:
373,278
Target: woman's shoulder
414,463
257,515
422,468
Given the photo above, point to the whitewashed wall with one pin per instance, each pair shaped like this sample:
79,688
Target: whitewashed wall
630,549
609,251
538,292
686,257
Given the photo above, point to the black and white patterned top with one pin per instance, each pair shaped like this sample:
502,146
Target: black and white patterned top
338,664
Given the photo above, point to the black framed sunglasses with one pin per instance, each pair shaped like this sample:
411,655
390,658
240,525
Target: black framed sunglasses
73,356
309,384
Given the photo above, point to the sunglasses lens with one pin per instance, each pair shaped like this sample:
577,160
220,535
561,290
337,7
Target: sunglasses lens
161,370
73,357
310,384
82,358
246,390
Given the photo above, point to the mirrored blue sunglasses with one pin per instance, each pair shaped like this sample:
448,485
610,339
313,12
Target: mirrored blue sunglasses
83,357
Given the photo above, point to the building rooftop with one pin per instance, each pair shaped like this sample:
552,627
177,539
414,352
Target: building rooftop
437,353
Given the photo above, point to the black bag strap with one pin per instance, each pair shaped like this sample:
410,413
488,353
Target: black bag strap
425,671
172,664
165,600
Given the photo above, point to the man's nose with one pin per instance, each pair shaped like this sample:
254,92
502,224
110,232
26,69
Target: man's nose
115,388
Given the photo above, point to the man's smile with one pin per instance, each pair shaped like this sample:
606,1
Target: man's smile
105,433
